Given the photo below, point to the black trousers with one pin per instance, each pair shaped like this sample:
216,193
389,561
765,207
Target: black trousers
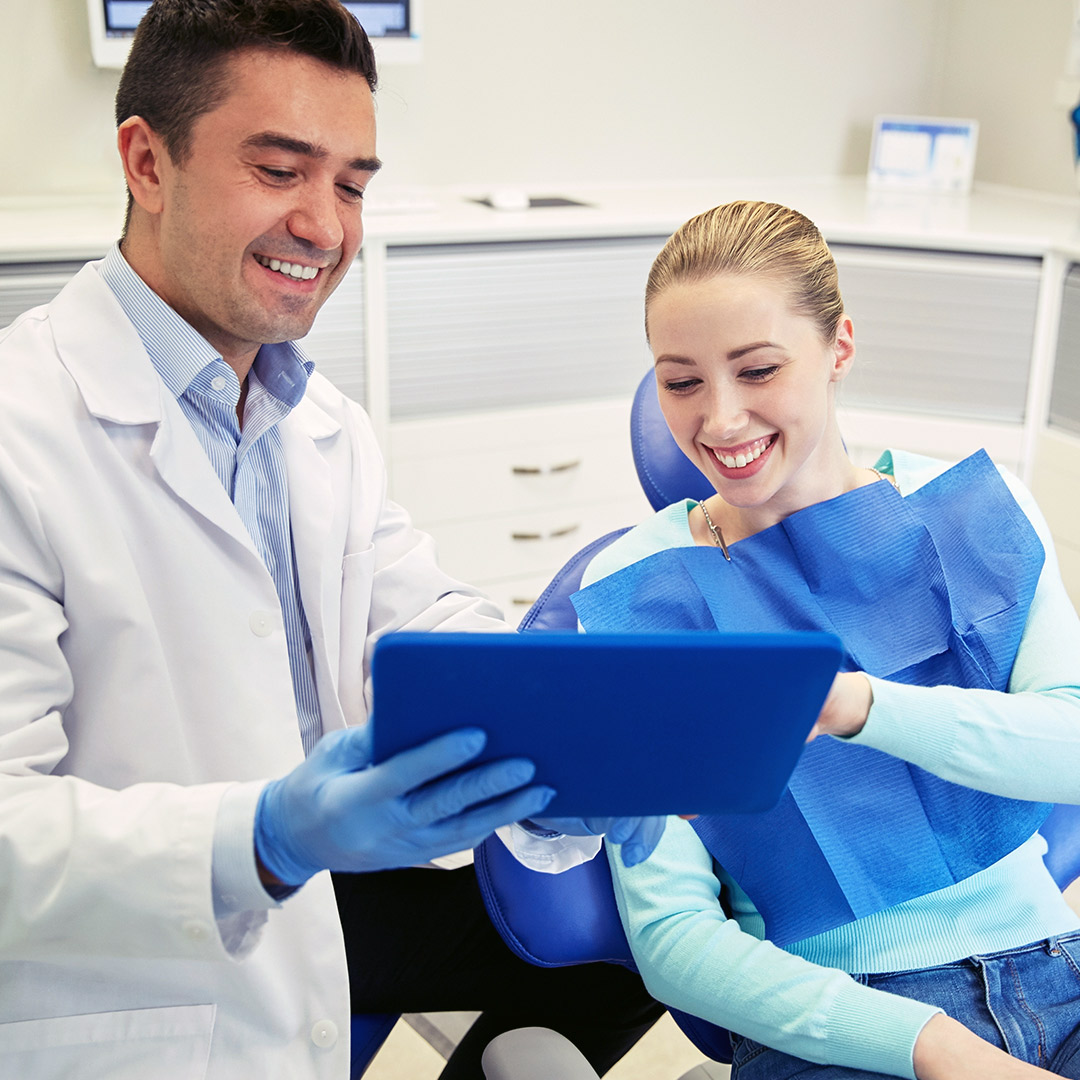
419,940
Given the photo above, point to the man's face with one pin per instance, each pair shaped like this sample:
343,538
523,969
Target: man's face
263,219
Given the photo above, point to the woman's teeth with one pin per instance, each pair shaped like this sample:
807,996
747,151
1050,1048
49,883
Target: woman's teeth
752,453
293,270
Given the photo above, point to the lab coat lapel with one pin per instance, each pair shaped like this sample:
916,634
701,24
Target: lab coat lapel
105,356
182,463
308,435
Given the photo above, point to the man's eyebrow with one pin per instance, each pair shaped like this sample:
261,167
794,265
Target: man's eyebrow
272,140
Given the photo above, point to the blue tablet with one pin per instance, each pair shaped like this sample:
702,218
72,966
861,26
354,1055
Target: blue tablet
619,724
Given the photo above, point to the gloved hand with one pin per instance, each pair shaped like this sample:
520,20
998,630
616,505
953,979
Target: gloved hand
334,813
637,835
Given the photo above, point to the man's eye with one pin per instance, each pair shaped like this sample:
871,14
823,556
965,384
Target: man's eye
276,174
354,194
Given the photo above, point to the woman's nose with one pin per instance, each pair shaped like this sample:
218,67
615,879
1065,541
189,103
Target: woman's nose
725,417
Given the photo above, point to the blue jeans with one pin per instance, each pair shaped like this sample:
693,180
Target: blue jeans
1025,1001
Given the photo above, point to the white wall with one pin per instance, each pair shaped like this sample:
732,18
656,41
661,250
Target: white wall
587,90
1004,61
609,90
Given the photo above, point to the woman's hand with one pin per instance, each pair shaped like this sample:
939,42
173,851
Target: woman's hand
946,1050
846,708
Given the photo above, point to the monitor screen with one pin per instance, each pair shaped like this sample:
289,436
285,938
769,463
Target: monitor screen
392,25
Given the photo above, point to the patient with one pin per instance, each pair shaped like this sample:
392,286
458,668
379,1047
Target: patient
895,906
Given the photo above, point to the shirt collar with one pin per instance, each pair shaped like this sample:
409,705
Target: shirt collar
179,352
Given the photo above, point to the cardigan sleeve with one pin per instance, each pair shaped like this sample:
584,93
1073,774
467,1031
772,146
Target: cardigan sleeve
693,958
1023,744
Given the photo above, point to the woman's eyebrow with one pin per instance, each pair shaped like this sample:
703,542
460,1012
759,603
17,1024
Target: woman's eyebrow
736,354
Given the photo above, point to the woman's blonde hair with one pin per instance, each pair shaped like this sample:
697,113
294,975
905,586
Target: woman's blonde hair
751,238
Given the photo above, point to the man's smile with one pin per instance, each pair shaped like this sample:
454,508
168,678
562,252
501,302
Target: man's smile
297,271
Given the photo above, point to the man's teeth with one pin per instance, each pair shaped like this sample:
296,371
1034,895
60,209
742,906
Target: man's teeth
737,461
293,270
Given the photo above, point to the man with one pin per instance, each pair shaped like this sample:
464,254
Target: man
196,556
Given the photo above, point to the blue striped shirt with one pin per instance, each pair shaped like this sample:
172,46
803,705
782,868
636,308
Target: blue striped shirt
249,460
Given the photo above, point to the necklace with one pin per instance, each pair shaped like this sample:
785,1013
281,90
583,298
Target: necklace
883,476
717,535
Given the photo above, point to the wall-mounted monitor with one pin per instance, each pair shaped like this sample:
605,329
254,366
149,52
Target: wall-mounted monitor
392,25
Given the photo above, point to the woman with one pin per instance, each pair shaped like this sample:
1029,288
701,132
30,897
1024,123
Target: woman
899,887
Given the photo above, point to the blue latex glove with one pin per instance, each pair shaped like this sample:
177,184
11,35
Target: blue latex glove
637,835
332,812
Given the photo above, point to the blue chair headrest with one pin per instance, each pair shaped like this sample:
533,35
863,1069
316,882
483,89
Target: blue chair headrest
666,473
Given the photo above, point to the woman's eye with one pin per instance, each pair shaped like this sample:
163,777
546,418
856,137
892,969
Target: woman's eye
680,386
761,374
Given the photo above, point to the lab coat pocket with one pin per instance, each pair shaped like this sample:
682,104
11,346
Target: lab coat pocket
357,578
166,1044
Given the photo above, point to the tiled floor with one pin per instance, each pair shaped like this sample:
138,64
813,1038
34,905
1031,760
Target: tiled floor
663,1054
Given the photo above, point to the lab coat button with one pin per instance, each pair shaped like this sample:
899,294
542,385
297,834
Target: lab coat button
261,623
196,930
324,1034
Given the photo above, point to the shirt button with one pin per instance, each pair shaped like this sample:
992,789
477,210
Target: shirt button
197,930
261,623
324,1034
218,382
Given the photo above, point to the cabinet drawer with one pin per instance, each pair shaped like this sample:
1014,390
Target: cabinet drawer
515,323
511,546
512,463
940,333
26,285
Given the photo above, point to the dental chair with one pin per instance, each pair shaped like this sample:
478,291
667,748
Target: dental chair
520,901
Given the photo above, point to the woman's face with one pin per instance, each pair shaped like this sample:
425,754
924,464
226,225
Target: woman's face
747,386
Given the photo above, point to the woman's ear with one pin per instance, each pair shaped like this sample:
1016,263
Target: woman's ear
142,154
843,348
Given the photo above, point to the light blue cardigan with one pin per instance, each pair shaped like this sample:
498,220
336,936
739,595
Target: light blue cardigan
1024,744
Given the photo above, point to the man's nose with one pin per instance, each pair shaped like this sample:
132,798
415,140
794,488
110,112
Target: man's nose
316,219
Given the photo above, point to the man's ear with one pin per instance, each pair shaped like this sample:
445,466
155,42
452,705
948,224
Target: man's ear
145,160
843,348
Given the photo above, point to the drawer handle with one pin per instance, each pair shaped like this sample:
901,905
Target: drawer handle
535,470
522,601
566,530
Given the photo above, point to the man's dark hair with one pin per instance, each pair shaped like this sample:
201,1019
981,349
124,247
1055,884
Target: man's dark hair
177,67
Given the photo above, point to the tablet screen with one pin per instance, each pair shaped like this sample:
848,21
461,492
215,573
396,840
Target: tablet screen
619,724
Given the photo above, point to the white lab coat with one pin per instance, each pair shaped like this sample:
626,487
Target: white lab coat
143,669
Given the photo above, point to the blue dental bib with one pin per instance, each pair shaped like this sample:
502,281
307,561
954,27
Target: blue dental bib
929,589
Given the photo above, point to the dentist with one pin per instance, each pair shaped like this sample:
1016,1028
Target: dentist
197,554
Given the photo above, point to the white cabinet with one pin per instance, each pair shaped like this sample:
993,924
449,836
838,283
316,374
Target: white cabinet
1056,481
509,495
